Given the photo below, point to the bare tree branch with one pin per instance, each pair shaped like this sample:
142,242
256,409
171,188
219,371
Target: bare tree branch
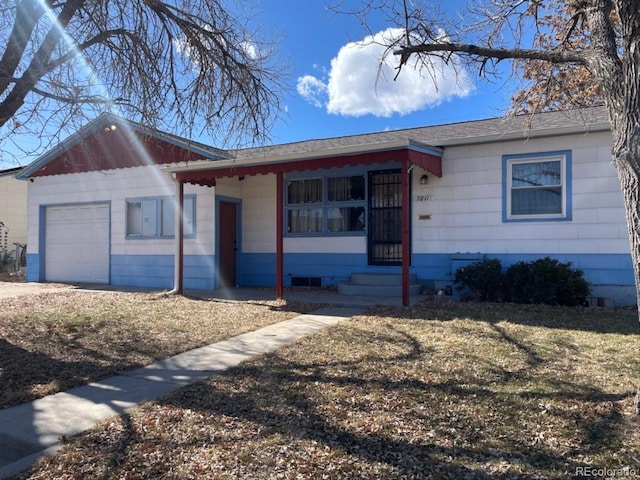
482,53
193,67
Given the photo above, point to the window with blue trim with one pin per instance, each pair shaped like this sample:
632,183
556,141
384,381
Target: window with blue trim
155,217
537,186
326,205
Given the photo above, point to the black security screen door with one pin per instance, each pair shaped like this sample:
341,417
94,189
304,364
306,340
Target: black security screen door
385,218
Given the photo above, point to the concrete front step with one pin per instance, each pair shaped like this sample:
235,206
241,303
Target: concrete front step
378,285
364,290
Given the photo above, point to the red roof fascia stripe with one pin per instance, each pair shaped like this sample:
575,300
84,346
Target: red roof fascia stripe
428,162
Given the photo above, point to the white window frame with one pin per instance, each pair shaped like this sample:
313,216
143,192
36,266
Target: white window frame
564,158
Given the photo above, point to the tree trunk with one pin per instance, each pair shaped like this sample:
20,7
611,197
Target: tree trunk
626,158
619,77
629,176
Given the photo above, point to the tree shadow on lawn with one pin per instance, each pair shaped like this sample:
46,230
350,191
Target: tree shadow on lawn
620,321
301,420
374,423
64,357
27,374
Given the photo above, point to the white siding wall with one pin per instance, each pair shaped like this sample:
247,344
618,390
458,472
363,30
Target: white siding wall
116,186
465,206
259,214
466,203
259,224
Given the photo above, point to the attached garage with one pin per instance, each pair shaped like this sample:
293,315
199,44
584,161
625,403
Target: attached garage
77,243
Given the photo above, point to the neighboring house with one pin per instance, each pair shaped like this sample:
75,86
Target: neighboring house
13,210
417,202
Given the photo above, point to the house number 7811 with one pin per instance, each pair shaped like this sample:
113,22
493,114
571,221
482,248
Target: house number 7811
423,198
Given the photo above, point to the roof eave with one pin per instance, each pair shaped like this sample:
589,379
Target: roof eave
311,155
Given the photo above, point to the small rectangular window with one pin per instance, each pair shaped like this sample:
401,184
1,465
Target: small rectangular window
304,191
537,187
189,215
134,219
304,220
345,189
155,217
167,219
141,218
345,219
168,216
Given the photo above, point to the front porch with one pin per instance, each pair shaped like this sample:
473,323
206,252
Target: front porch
379,218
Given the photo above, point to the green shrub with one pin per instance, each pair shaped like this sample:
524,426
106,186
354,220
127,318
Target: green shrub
517,283
481,281
545,281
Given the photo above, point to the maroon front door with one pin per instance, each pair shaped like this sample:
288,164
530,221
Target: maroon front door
228,238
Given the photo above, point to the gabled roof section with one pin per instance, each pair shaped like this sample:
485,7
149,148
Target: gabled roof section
111,142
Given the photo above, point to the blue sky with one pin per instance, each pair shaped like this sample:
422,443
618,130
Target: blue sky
334,80
334,89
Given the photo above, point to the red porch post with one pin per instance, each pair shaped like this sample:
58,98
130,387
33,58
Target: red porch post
279,235
406,219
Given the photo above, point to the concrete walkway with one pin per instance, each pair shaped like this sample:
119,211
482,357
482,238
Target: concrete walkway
30,430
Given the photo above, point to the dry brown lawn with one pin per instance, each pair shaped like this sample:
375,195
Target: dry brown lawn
464,391
54,341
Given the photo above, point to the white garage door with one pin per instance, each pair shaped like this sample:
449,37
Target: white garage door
77,243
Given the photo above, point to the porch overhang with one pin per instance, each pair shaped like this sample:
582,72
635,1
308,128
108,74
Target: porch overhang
406,153
424,156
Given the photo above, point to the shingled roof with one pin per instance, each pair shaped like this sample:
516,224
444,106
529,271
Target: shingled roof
429,140
462,133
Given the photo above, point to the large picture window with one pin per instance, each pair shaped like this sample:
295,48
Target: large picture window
155,217
326,205
537,187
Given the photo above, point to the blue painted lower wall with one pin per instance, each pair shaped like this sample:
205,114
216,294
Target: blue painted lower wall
609,273
259,269
156,271
33,268
147,271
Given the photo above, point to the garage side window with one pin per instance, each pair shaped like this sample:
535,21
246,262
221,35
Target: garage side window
141,218
167,211
154,217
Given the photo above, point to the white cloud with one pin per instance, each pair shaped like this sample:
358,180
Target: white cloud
358,84
312,90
